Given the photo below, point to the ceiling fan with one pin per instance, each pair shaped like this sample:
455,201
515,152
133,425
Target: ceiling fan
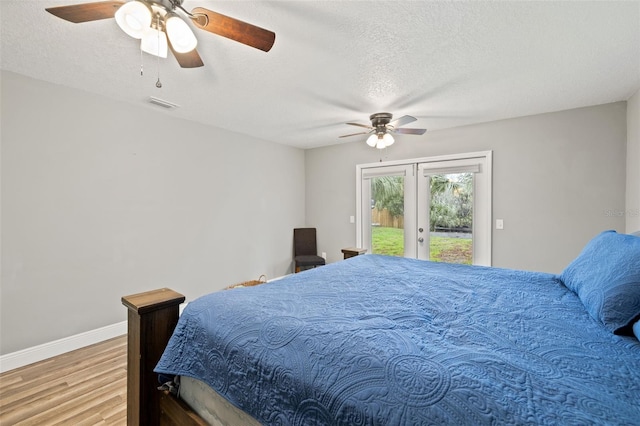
160,28
381,128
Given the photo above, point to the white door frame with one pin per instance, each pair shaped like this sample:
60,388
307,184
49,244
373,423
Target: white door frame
482,215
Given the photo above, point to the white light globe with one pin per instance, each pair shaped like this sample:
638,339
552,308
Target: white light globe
134,18
154,42
182,38
372,140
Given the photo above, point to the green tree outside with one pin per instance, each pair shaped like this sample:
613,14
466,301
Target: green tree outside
451,208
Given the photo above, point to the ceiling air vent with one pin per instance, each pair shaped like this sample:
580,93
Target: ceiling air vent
162,103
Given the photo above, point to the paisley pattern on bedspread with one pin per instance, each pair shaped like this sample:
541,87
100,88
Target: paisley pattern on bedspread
378,340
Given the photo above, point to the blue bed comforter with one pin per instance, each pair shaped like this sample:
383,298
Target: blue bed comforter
378,340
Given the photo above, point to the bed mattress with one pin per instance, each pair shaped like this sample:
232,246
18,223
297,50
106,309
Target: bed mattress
211,406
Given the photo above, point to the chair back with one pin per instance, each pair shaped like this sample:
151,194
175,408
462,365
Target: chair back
304,242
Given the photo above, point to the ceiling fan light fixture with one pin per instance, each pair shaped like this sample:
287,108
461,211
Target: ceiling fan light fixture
134,18
182,38
154,42
380,140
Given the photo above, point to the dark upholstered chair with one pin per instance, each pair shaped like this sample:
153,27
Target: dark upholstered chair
305,250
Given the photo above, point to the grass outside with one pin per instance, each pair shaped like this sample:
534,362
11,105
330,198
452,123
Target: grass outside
390,241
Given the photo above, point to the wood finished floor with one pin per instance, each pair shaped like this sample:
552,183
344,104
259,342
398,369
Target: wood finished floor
84,387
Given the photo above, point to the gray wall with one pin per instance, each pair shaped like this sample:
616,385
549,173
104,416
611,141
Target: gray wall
633,163
102,199
557,178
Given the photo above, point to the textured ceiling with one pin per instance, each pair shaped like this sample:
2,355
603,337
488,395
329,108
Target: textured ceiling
446,63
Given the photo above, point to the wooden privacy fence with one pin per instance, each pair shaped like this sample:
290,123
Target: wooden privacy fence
384,218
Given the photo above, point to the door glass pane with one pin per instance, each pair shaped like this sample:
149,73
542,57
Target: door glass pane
451,218
387,215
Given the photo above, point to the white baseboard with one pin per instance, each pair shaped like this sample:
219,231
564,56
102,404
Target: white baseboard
47,350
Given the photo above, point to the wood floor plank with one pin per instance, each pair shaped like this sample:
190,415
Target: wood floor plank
83,387
72,363
12,381
51,391
118,418
11,406
56,403
85,398
74,413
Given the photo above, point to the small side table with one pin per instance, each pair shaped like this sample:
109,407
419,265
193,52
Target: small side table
353,251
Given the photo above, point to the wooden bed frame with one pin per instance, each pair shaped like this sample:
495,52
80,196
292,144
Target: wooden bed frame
152,317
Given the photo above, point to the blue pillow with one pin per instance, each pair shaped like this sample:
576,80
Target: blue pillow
606,278
636,329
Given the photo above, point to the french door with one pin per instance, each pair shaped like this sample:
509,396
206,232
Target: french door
436,208
388,206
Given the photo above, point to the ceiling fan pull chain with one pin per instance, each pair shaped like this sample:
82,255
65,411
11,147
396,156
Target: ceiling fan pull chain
158,83
141,63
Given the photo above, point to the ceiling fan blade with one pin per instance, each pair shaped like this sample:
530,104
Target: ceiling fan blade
407,131
405,119
233,29
85,12
354,134
366,126
187,60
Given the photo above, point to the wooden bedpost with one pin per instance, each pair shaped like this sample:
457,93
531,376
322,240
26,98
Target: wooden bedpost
152,316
